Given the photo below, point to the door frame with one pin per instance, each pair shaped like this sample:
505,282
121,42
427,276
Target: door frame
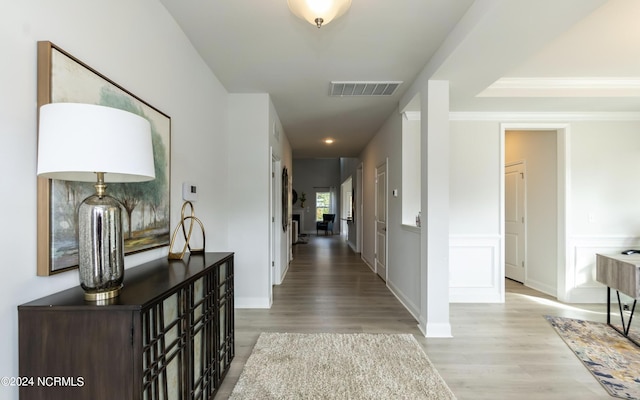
563,134
275,235
359,209
346,187
375,215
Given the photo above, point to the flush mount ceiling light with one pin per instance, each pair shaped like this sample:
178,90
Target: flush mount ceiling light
329,141
319,12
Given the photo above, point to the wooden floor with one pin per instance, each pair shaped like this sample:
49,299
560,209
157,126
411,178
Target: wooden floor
499,351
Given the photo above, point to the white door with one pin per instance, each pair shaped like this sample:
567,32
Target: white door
381,221
514,220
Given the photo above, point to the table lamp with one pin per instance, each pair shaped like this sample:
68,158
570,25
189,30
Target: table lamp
91,143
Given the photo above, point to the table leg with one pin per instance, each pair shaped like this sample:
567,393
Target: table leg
633,309
608,305
625,327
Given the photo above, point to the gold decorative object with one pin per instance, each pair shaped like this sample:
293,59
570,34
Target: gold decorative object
185,234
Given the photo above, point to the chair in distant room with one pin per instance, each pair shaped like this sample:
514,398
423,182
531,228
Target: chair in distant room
326,224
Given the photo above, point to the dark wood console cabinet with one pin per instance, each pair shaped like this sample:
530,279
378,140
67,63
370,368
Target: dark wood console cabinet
169,335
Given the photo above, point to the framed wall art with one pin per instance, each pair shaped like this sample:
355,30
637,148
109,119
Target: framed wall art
63,78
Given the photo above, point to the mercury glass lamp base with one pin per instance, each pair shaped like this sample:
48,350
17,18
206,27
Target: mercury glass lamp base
100,247
105,295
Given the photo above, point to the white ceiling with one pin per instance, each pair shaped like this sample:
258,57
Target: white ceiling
258,46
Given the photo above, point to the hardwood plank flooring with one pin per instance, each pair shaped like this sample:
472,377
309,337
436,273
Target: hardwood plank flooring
499,351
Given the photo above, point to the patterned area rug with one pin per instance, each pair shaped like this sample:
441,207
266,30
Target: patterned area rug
339,366
612,359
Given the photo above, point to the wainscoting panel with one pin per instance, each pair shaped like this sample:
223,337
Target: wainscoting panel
475,269
581,284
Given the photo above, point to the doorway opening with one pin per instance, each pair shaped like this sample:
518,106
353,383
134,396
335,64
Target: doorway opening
534,205
346,207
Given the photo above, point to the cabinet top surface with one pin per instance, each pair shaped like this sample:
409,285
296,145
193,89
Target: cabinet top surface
142,284
633,259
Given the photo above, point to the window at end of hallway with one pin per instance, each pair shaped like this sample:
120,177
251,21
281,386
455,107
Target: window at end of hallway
323,204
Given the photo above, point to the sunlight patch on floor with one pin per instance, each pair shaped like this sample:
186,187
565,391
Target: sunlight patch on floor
556,304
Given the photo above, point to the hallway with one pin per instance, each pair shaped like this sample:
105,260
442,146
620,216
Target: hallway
499,351
328,288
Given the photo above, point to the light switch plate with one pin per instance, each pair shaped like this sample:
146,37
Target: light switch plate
189,192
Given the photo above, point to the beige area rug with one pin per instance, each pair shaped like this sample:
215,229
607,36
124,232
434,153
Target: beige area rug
339,366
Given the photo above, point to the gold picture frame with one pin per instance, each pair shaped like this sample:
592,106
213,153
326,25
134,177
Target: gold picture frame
146,205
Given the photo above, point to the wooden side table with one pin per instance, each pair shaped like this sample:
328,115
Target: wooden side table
622,273
169,335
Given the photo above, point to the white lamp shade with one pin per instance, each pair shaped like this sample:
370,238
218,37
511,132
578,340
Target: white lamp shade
328,10
77,140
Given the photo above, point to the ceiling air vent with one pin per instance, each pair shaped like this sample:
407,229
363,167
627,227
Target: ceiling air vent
359,88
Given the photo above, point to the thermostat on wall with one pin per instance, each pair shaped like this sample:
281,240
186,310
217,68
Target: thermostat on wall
189,192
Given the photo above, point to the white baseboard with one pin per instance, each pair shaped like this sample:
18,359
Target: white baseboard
438,330
353,247
367,262
541,287
251,302
406,302
435,330
284,274
588,295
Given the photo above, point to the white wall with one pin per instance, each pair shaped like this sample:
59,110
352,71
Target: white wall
248,197
377,151
435,204
139,46
281,148
403,264
603,153
418,260
476,273
605,212
252,145
475,154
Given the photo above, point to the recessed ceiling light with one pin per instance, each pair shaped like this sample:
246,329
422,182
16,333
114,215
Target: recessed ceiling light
329,141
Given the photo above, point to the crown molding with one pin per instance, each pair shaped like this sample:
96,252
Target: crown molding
564,87
544,116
